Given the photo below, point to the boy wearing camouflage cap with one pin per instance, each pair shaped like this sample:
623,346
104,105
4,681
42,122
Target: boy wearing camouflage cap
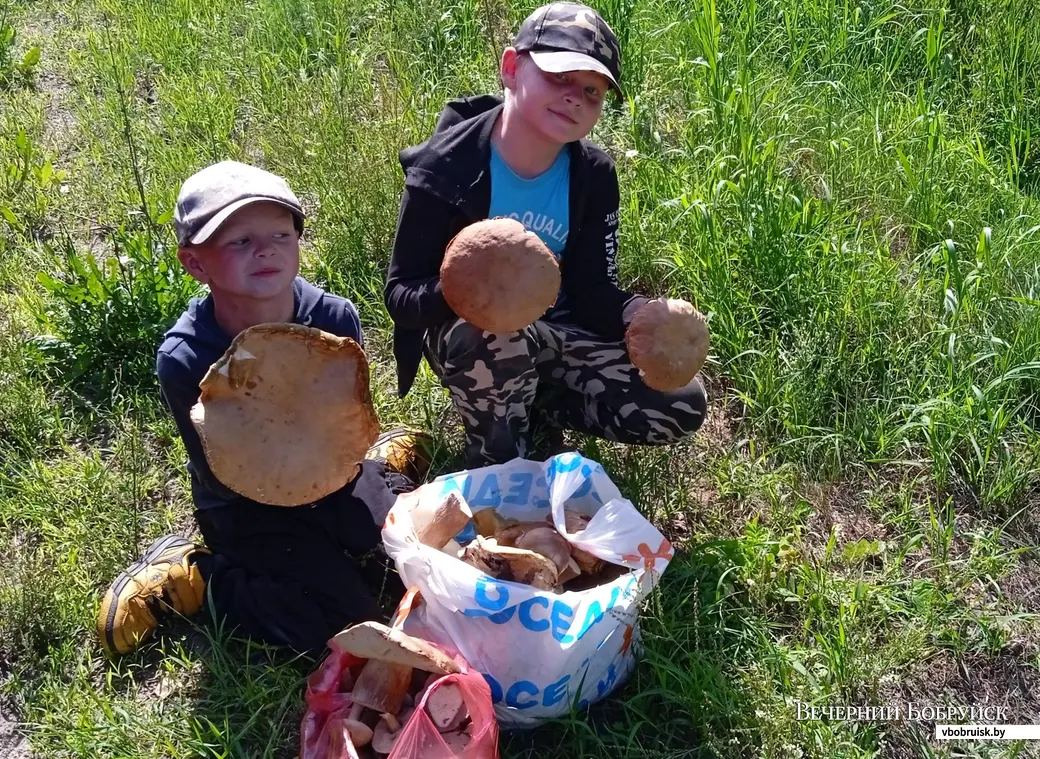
526,156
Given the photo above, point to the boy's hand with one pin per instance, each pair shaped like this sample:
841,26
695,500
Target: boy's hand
668,342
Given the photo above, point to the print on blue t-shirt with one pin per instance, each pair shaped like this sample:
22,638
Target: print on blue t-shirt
541,204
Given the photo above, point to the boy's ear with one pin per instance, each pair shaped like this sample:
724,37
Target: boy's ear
189,260
507,69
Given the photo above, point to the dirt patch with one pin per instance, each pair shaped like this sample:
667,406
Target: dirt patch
856,509
725,414
896,236
13,741
1010,679
60,125
841,508
706,509
1021,588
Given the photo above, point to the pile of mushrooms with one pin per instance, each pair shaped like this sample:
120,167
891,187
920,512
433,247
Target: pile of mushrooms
532,553
399,670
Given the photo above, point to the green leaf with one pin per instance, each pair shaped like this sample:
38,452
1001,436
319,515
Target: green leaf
46,172
9,216
908,169
32,57
855,553
166,218
48,281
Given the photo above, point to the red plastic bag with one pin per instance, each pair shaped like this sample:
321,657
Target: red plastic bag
323,735
419,738
322,731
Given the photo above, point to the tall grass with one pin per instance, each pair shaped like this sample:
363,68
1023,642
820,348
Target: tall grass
848,189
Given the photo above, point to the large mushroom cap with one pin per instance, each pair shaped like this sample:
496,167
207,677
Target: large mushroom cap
667,341
498,276
285,416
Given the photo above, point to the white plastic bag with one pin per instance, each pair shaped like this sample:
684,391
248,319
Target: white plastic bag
539,651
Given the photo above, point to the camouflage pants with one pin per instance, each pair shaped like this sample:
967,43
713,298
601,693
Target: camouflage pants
566,376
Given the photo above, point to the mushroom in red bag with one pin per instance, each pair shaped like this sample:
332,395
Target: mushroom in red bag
381,686
446,707
386,677
457,741
389,729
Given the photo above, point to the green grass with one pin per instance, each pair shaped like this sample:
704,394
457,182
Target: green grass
851,190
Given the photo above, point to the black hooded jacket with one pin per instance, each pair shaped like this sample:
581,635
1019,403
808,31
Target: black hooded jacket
448,186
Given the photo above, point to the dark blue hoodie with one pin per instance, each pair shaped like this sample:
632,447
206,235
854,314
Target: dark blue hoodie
196,341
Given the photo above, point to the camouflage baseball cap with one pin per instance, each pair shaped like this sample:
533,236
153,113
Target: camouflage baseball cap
570,37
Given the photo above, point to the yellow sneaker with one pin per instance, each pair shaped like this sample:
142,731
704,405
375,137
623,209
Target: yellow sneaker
405,451
165,578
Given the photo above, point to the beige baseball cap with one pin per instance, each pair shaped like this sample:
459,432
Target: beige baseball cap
208,197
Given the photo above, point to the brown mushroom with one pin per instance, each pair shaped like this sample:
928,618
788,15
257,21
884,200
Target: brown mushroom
285,415
388,730
375,641
499,276
576,523
436,526
667,341
487,522
508,536
380,686
360,733
446,707
511,564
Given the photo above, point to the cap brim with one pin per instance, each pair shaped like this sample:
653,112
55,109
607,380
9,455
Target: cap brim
222,215
558,61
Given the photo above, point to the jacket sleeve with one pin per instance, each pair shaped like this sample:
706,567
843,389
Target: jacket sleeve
593,296
179,394
413,294
348,323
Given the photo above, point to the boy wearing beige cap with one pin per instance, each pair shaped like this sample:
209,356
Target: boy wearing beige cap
288,576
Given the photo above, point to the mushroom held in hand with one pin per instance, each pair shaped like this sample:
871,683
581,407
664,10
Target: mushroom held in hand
667,341
498,276
285,415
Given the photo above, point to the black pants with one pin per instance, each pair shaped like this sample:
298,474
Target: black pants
295,576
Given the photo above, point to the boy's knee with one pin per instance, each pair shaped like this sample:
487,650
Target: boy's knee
674,415
694,402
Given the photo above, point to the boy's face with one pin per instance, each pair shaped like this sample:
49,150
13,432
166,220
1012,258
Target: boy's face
255,253
561,107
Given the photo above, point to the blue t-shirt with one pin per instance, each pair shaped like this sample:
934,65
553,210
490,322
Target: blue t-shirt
541,204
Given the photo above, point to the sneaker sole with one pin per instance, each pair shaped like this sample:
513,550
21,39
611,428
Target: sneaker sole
155,550
398,432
